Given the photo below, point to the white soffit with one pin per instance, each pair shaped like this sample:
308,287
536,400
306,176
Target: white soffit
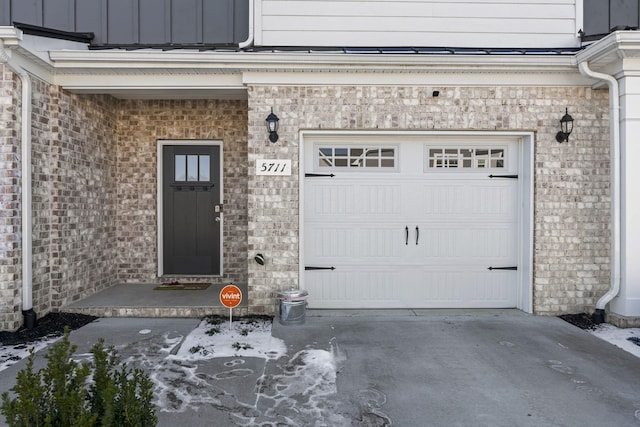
206,69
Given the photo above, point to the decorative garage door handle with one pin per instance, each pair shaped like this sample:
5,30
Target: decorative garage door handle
502,268
319,268
406,235
417,234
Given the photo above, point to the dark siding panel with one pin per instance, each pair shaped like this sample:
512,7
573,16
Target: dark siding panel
27,11
155,21
624,13
218,21
5,12
186,21
148,22
596,17
122,22
241,21
59,14
91,16
600,16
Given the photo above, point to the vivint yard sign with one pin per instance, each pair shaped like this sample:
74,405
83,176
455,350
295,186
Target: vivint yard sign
273,167
230,296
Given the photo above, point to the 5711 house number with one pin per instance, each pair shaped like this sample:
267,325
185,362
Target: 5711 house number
273,167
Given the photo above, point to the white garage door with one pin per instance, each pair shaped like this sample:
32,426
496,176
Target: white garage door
411,225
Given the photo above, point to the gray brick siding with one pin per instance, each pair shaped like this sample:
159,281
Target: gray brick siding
94,171
571,265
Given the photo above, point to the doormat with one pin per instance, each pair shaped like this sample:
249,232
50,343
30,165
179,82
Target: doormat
177,286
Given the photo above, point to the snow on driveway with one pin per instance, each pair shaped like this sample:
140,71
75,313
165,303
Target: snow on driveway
627,339
241,369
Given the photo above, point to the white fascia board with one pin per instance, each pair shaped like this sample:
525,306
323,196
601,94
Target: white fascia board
10,35
422,78
159,80
614,46
309,61
32,64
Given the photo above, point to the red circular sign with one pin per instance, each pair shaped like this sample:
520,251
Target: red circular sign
230,296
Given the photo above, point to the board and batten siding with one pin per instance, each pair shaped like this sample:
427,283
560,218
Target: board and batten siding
425,23
137,22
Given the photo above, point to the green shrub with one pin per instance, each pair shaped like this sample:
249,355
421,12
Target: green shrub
68,393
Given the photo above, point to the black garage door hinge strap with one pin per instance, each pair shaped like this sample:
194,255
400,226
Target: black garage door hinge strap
320,268
315,175
504,176
502,268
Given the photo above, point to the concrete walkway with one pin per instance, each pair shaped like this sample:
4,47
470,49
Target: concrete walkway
401,368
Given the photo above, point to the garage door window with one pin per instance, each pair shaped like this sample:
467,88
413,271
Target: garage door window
357,157
466,158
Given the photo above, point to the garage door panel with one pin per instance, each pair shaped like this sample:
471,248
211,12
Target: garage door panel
352,200
440,199
370,244
375,200
454,244
326,243
436,199
494,200
328,199
412,237
353,287
450,289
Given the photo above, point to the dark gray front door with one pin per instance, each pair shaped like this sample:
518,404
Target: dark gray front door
191,218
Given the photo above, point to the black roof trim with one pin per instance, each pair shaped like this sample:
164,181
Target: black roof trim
397,50
192,46
34,30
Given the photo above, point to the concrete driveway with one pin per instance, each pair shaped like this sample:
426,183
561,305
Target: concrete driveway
401,368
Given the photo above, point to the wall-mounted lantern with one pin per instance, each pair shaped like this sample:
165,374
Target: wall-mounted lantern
272,126
566,126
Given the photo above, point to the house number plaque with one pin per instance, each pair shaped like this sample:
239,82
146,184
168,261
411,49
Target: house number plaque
273,167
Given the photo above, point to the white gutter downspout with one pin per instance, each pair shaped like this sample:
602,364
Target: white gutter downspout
614,102
249,41
25,149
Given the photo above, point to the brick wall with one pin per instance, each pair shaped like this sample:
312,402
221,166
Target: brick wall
571,248
10,254
74,175
140,125
83,202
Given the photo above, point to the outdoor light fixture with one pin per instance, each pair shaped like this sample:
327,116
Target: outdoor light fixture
272,126
566,126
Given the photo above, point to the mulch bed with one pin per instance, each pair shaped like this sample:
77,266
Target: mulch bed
51,325
581,320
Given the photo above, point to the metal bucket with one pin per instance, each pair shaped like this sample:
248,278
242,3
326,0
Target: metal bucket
293,306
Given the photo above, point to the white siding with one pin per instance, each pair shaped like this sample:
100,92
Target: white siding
424,23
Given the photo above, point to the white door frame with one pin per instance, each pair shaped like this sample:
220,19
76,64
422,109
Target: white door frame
525,191
159,211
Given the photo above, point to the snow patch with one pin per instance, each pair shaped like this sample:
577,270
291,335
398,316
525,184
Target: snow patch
246,338
10,355
620,337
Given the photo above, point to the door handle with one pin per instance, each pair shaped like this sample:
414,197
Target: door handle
417,234
406,235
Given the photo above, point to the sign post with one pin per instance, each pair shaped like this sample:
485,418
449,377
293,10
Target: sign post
230,296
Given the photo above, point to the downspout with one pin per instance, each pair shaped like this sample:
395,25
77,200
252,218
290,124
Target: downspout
249,41
25,149
614,102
